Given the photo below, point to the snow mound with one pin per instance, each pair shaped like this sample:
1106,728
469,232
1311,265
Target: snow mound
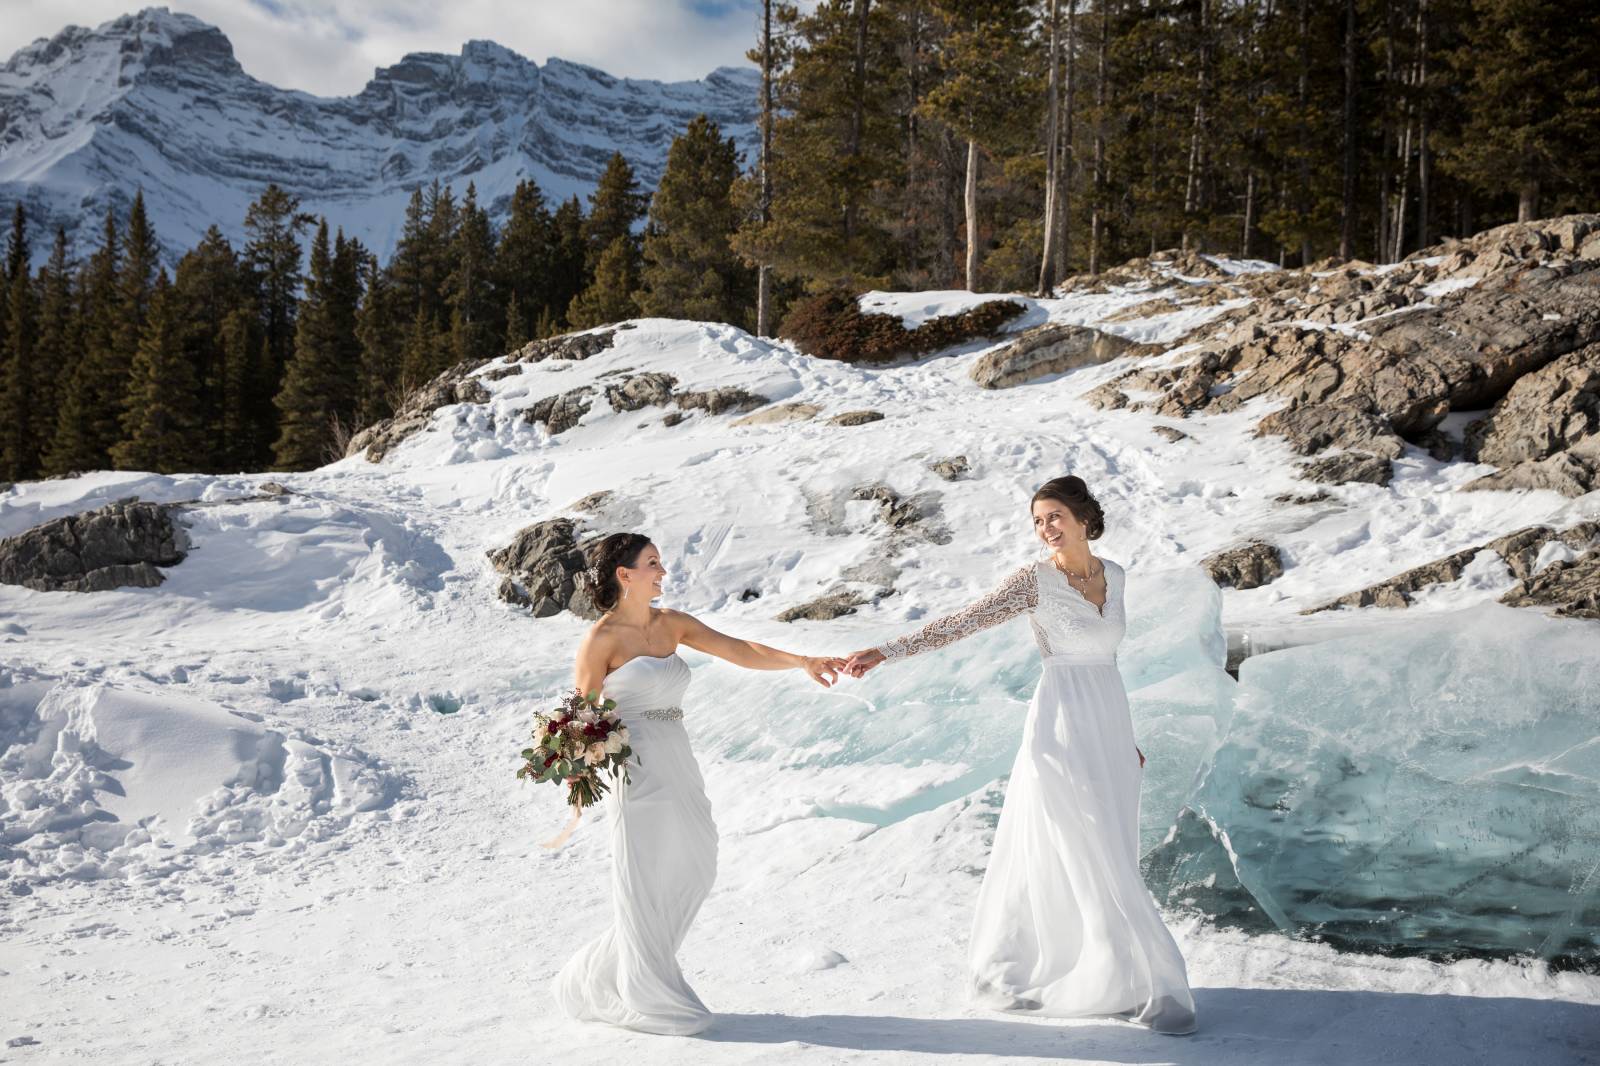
104,782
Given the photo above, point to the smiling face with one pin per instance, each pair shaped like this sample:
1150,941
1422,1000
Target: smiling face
645,573
1055,525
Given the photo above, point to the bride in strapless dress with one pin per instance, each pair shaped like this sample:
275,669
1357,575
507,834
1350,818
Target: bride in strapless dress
663,841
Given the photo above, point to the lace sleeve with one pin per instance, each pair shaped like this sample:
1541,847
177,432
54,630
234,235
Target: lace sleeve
1016,595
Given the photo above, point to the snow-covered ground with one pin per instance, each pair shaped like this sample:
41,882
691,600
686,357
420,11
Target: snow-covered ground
267,810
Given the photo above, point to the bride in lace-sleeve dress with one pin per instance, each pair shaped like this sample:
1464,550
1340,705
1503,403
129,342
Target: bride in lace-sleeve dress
1065,925
663,841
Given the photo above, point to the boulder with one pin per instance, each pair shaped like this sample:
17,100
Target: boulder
1353,424
1570,586
1247,566
119,545
1170,434
832,605
951,469
539,566
1545,412
1049,349
1568,473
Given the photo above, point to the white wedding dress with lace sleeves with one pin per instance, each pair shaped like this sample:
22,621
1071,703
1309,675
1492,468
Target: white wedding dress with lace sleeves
663,862
1065,925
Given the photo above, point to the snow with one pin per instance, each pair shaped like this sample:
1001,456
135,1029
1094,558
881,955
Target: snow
337,855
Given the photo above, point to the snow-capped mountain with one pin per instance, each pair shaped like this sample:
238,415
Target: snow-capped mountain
157,100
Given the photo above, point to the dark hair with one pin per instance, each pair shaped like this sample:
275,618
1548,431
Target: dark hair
1071,492
604,556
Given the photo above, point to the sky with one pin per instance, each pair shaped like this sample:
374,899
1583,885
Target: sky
331,48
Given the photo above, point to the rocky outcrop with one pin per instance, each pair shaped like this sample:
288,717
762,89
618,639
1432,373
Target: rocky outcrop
1570,587
1354,424
455,385
1520,550
560,412
1246,566
855,418
539,566
1170,434
568,346
641,391
1346,467
720,401
122,544
1552,411
779,414
832,605
1049,349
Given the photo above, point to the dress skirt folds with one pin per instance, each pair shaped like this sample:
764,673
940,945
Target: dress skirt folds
664,860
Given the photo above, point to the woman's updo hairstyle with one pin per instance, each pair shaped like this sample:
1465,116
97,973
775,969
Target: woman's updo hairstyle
1071,492
604,556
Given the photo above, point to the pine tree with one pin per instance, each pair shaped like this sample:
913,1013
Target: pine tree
208,287
162,426
19,451
524,258
477,325
609,298
567,271
88,416
614,206
56,354
516,325
318,396
273,253
690,269
242,340
380,329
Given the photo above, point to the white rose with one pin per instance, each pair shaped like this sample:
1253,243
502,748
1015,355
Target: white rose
613,743
623,733
586,716
596,754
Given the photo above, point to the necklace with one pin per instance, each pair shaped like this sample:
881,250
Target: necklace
1074,577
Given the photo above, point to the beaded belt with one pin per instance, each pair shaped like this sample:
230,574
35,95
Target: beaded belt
664,714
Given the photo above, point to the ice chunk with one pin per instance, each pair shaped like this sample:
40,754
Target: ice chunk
1435,790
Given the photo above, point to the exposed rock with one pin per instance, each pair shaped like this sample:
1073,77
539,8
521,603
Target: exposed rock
1044,350
855,418
499,372
1247,566
823,608
1551,410
1303,498
568,346
1352,424
749,594
1570,586
1348,466
640,391
951,469
672,418
893,511
1108,395
119,545
455,385
560,412
783,412
1568,473
720,401
1520,550
539,566
273,488
1170,434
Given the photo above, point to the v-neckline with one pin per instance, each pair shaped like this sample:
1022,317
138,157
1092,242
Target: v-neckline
1099,609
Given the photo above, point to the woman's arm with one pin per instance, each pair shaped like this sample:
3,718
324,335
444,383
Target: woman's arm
1017,594
594,655
748,653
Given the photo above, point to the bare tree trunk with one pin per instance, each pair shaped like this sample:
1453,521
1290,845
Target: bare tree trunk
1347,231
971,205
764,271
1528,200
1052,153
1386,181
1067,164
1249,214
1096,221
1424,181
1303,205
853,145
1191,192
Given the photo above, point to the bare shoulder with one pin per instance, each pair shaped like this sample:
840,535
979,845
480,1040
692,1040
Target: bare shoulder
679,622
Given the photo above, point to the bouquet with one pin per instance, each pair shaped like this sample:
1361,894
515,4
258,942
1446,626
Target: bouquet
574,744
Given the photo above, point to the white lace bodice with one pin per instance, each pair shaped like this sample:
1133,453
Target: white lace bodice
1063,620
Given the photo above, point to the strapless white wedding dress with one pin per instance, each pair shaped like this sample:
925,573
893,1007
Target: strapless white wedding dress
1065,925
663,861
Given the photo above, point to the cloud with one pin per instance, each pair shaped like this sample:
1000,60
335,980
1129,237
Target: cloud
331,48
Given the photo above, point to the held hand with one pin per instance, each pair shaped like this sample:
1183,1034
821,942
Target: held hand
1141,756
823,670
862,661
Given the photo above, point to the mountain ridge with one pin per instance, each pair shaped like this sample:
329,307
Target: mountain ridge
157,100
